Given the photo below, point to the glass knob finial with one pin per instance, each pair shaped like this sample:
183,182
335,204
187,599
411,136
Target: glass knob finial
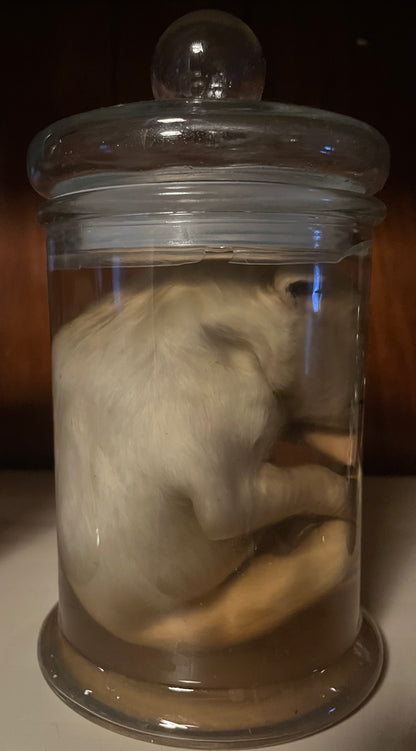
208,54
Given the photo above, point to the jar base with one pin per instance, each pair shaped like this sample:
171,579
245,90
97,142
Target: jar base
212,718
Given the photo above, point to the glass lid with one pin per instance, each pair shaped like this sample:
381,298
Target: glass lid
207,123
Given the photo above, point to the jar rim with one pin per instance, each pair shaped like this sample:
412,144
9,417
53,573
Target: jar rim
246,221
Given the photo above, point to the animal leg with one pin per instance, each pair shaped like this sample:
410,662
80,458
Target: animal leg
259,598
274,494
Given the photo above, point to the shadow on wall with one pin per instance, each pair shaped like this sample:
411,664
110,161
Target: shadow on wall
20,425
387,540
27,507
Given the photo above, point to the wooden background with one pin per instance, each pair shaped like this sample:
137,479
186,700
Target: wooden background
59,59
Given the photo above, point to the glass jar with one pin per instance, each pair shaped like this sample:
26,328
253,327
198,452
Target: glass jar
209,260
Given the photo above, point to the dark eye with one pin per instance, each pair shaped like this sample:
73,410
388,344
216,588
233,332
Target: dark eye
301,288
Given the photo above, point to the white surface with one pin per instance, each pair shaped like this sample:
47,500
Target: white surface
33,719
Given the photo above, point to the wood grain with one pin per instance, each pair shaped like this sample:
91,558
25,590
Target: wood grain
62,59
390,424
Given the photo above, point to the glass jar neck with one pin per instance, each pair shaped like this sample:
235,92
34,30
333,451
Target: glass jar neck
182,221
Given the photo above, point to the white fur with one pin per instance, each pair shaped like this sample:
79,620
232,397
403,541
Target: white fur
165,417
